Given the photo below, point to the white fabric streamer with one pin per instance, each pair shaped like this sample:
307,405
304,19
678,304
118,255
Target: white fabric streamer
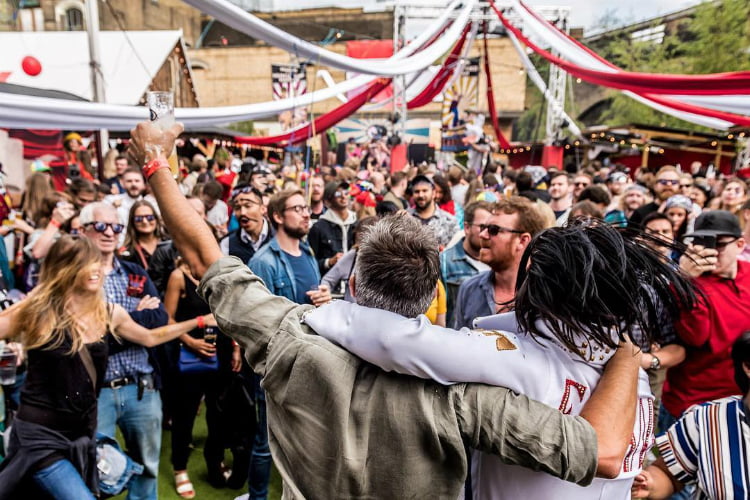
246,23
575,54
19,111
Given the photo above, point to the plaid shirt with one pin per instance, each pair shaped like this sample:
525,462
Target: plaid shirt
134,360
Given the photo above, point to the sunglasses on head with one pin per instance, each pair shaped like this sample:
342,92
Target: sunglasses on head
141,218
100,227
494,229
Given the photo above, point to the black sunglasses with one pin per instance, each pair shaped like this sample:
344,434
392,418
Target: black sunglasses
494,229
141,218
100,227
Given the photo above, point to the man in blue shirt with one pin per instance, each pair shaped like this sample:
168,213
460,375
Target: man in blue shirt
288,268
504,237
130,396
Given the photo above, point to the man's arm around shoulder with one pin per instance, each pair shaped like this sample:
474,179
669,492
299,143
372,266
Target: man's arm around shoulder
524,432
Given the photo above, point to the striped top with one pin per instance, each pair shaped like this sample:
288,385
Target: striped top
710,444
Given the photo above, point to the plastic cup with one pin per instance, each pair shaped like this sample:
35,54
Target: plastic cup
8,361
161,108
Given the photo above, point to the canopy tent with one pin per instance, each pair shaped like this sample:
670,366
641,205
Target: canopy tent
129,61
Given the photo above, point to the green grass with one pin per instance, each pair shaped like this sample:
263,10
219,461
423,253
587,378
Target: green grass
197,469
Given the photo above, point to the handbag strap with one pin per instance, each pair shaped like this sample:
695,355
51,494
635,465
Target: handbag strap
88,363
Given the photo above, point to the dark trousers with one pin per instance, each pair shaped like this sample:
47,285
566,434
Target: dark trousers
188,392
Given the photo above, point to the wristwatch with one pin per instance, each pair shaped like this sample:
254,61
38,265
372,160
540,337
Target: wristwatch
655,363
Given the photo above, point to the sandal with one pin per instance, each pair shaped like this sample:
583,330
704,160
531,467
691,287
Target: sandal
183,485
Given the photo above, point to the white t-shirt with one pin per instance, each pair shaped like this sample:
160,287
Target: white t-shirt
496,355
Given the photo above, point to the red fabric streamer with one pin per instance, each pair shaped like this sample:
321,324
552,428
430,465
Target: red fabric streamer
323,122
441,78
671,103
660,83
504,144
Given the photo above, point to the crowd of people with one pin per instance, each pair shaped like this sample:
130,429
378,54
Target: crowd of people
509,331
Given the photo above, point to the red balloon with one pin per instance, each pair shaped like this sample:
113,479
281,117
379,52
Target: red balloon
31,65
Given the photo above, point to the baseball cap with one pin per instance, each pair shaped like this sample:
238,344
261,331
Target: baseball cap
330,190
717,223
420,179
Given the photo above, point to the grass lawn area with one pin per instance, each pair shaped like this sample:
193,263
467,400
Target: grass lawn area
197,469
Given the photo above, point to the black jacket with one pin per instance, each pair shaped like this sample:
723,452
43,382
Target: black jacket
331,235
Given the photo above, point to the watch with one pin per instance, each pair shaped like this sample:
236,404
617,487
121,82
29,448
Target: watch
655,363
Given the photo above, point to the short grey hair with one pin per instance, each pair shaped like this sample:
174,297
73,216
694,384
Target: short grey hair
397,266
87,212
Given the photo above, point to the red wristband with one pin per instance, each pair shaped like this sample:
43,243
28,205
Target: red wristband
201,320
151,167
55,223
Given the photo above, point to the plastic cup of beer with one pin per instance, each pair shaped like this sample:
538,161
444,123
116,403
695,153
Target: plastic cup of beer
8,361
161,108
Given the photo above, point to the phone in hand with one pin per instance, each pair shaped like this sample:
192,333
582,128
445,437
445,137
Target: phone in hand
706,241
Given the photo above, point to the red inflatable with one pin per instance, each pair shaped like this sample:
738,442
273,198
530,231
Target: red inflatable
31,65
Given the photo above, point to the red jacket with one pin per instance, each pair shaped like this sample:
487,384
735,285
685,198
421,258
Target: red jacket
708,332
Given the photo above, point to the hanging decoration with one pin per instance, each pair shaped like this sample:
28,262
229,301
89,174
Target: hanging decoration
323,122
31,65
491,96
244,22
718,111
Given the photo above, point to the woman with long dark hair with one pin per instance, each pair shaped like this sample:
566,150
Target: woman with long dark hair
143,235
63,325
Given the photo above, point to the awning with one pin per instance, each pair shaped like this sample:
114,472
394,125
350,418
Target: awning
64,57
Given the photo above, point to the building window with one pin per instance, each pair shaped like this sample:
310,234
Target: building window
73,19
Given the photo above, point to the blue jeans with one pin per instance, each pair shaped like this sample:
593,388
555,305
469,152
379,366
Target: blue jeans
62,481
260,459
140,423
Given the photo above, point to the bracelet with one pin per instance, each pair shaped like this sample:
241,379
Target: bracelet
151,167
201,320
54,223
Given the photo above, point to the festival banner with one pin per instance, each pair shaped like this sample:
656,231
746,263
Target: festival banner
289,81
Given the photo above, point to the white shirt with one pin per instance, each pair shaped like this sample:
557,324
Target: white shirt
245,237
541,369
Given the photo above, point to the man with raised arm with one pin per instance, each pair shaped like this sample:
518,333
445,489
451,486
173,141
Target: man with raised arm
339,427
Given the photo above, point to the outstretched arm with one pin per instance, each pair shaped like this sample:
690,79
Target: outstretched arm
125,327
611,408
191,236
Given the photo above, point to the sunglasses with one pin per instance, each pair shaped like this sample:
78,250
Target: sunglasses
721,245
584,184
101,227
141,218
245,190
668,182
494,229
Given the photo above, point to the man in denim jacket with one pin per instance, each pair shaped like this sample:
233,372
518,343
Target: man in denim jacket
288,268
